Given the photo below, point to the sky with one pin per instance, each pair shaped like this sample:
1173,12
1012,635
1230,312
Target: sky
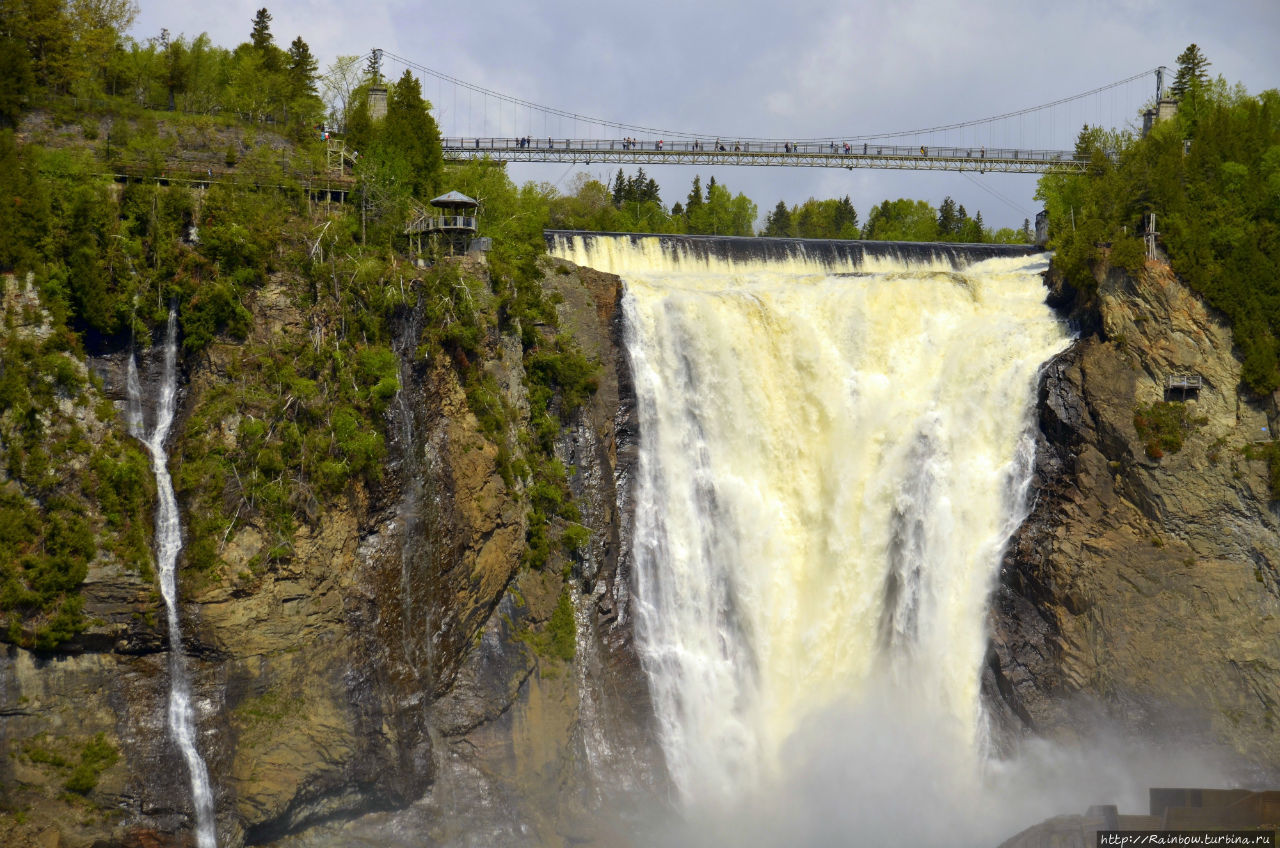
783,70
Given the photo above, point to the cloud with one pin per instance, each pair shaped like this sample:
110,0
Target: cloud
782,70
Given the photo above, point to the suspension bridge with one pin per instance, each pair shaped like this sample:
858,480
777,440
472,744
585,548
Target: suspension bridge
482,124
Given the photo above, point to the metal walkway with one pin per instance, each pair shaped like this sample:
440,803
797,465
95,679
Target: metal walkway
764,153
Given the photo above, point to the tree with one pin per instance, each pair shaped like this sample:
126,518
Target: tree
302,69
340,82
46,33
619,189
261,36
410,129
1192,71
373,68
902,220
15,70
173,55
723,214
694,200
845,220
97,27
778,222
948,219
303,101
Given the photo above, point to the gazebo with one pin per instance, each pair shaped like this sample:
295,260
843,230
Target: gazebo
453,218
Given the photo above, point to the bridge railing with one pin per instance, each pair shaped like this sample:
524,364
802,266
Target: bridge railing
771,148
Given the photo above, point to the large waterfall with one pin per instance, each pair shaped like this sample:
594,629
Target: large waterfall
168,546
835,446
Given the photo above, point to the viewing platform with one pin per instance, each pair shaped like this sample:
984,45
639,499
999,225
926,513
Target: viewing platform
1183,386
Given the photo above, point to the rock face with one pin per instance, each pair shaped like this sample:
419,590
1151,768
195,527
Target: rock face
390,664
1144,593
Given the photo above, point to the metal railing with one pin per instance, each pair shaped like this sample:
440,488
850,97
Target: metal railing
1185,382
771,147
847,154
438,223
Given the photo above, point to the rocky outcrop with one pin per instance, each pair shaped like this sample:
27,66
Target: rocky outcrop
1143,594
386,676
531,749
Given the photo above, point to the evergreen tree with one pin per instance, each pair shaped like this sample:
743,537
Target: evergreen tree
410,129
651,191
373,68
710,185
619,189
694,200
1192,70
948,218
261,36
778,222
302,70
845,221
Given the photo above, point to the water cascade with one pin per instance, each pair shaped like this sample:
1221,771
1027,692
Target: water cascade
168,545
835,445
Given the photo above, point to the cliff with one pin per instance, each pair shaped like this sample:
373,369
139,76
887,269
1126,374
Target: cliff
391,648
1142,594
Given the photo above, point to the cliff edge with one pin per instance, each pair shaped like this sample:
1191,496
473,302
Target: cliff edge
1142,593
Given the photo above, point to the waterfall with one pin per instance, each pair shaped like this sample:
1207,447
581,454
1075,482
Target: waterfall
168,545
834,450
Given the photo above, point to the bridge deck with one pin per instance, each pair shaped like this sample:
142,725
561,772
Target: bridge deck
776,153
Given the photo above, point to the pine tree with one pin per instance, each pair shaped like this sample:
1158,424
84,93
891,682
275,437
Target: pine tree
948,220
778,222
262,29
694,201
619,189
711,183
410,129
1192,70
845,221
302,69
651,192
373,68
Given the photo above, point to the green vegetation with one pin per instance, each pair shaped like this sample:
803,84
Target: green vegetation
557,639
1162,425
83,769
97,756
55,524
1212,177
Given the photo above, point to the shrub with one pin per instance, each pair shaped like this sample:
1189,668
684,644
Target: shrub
1161,427
98,756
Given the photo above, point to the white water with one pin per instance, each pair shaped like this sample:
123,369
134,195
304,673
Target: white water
168,545
831,461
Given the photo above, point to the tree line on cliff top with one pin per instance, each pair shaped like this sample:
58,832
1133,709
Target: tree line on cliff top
1211,176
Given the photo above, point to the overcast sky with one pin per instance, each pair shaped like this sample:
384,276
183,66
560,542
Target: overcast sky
782,69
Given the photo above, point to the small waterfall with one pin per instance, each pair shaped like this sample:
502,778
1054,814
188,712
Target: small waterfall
834,448
168,546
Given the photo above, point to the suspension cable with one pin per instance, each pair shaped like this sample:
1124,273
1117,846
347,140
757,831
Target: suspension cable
638,128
